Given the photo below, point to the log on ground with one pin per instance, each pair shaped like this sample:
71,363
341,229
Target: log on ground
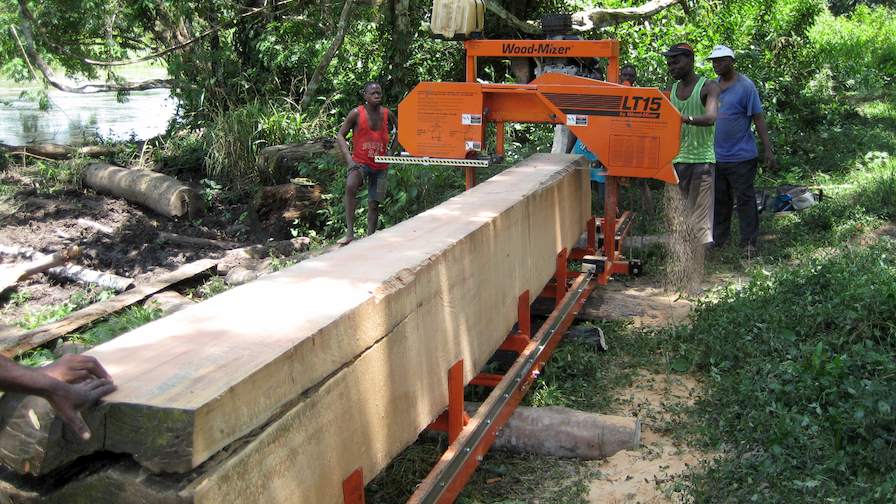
212,373
562,432
161,193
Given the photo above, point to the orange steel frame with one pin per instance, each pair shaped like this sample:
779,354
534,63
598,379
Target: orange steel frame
499,108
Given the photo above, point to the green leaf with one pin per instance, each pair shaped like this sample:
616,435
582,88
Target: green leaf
681,364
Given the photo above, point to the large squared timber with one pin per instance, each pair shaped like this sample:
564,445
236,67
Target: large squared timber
348,351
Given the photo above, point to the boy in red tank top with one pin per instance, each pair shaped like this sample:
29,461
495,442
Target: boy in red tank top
370,125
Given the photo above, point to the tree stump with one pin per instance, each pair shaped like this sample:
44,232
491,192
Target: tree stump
278,163
282,208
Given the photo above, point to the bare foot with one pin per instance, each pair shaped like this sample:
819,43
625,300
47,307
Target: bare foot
345,241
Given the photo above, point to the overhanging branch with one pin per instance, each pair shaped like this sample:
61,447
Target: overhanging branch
590,18
523,26
32,57
602,18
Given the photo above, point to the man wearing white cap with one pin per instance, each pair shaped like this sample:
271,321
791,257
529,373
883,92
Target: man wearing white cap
736,152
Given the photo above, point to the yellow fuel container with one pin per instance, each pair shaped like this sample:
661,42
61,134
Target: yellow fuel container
457,19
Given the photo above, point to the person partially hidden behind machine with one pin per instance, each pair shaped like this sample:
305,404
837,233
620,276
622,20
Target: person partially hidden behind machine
627,76
372,127
697,100
71,384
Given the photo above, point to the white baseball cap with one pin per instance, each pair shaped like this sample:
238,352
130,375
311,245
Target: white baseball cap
720,51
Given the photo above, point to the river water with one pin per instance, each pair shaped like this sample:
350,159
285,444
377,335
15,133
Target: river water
76,119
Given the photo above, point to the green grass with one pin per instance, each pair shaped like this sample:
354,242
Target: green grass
115,325
210,288
502,478
801,366
35,318
580,377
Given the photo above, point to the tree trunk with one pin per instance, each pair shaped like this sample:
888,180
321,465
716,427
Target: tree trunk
342,27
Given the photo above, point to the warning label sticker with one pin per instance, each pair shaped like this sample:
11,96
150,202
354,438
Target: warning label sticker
471,119
473,145
576,120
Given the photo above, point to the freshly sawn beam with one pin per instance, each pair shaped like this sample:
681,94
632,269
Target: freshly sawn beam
343,356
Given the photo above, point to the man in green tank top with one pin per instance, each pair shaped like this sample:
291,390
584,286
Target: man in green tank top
697,100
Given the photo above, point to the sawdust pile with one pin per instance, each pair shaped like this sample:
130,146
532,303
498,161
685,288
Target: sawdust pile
684,261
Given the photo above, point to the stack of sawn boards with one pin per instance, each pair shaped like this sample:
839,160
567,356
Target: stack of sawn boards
277,390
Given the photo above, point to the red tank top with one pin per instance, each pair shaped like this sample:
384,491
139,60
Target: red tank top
367,143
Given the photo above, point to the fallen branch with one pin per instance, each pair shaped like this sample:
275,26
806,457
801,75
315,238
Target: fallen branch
58,152
14,344
197,242
12,274
71,272
102,228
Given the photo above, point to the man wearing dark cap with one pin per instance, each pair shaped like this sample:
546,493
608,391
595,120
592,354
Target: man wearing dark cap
697,100
736,152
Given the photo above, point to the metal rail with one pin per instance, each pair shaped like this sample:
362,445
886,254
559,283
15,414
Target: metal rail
426,161
448,477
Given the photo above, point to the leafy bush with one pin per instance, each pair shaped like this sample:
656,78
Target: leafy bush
234,138
801,368
859,47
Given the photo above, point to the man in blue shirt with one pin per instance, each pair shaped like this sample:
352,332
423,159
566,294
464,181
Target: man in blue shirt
736,153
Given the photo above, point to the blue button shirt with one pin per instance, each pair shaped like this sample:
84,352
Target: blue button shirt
737,106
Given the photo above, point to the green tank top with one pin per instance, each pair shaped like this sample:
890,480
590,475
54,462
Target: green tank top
697,142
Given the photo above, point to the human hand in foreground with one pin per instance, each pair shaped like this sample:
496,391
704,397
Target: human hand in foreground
82,383
76,368
68,399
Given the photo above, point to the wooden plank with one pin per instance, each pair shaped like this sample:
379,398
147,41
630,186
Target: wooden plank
435,288
14,344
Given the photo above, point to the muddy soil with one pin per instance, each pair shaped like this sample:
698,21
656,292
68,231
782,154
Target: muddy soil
51,222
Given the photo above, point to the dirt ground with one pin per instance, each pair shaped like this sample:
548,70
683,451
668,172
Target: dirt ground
51,222
645,475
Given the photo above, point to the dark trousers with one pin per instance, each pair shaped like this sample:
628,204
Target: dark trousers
734,186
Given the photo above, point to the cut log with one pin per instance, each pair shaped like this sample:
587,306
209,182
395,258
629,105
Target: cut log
161,193
326,353
562,432
60,152
197,242
12,345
